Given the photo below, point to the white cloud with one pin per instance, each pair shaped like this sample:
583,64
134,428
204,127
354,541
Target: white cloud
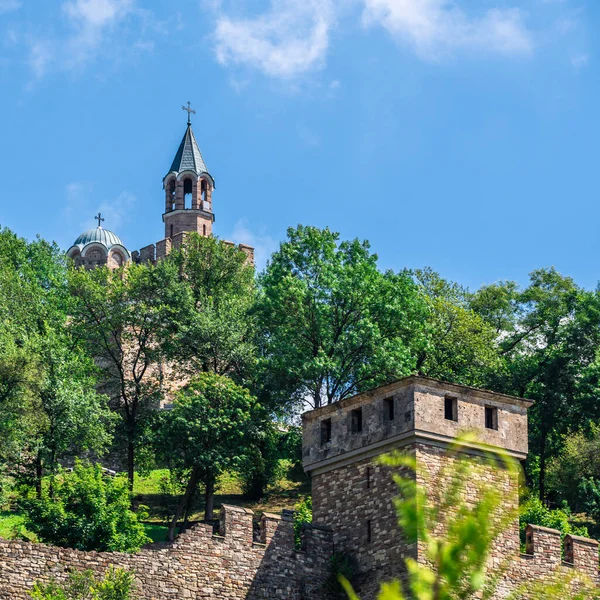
94,28
80,208
9,5
97,13
117,212
41,55
580,60
290,39
264,245
91,20
434,28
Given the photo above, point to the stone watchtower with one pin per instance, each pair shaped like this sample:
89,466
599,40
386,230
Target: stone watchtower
353,494
188,190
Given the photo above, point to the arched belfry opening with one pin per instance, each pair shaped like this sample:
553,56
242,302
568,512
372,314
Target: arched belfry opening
170,194
188,188
204,190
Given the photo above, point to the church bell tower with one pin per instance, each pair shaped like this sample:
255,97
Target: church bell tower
188,189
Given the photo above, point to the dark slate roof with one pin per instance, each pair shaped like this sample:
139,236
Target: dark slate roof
189,157
100,235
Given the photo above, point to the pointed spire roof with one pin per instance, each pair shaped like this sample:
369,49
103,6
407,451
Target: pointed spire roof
188,157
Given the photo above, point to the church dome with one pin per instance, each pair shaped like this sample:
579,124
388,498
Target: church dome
99,235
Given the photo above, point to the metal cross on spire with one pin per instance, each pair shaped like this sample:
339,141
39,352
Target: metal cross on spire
190,112
99,218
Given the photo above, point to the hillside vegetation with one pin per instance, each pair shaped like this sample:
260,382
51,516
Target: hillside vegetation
89,360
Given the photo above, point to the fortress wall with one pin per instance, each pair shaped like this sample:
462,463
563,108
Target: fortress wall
356,501
197,565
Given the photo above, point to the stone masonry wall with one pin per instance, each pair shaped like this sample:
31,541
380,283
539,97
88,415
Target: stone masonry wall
357,502
197,565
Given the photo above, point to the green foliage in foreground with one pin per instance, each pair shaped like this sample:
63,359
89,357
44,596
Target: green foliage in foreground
457,536
88,511
116,585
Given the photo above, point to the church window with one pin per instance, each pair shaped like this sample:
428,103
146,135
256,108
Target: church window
171,230
203,189
204,230
369,532
187,193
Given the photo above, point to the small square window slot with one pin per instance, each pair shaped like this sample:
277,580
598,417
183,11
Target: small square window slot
388,409
325,431
491,417
356,420
451,408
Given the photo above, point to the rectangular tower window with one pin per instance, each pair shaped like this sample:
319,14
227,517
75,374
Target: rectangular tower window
388,409
325,431
451,408
491,417
356,420
369,535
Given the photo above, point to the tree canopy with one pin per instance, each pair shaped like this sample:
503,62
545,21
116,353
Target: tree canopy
333,323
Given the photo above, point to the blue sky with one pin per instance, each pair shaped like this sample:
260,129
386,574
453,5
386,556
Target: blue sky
459,134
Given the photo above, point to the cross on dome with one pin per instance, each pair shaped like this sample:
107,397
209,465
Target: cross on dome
99,218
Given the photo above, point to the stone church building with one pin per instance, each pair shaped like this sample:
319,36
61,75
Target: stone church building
188,189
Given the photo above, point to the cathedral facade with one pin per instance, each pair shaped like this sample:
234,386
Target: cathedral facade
188,189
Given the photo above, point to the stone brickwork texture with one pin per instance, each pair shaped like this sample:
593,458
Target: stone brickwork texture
353,510
197,565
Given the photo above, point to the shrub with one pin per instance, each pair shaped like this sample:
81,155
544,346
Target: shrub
302,514
116,585
87,511
534,512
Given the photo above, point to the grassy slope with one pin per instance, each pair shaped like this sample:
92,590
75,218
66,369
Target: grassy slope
150,492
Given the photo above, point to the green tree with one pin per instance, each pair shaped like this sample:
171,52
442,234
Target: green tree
534,512
49,406
333,323
208,431
125,318
461,346
215,332
573,475
549,336
117,584
458,534
87,511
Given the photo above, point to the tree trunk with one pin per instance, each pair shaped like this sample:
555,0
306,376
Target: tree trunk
130,464
209,498
542,475
183,502
188,509
38,476
52,473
